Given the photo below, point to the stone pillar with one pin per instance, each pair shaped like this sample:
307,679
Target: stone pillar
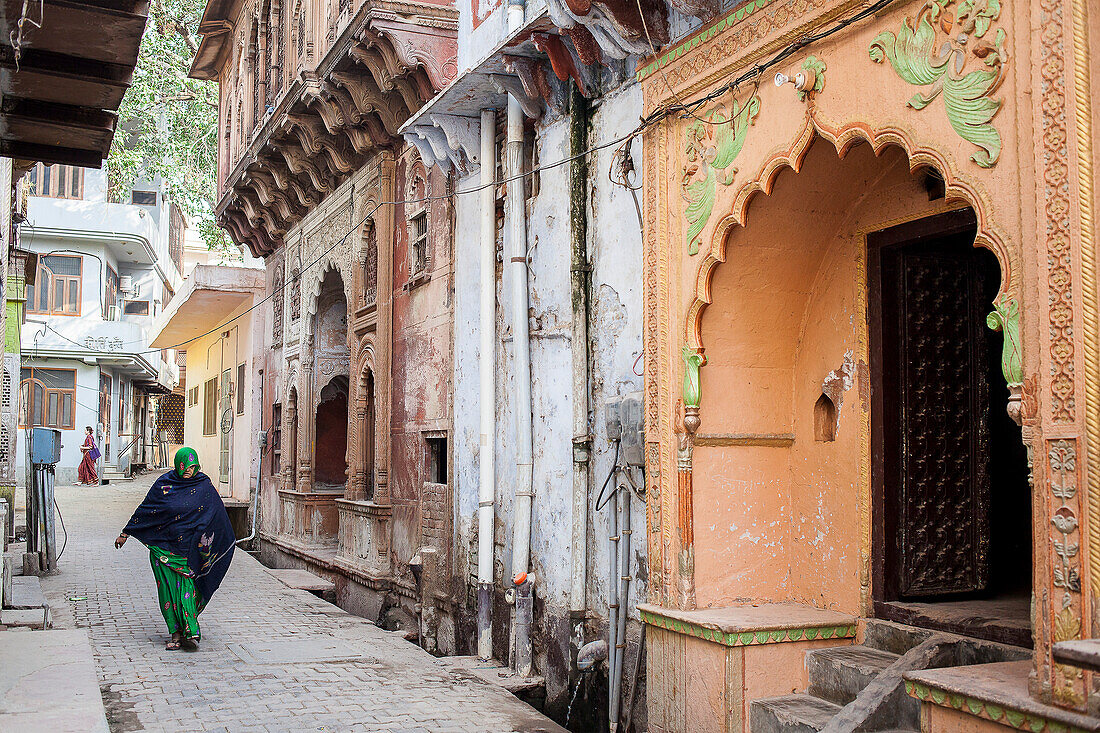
307,410
387,234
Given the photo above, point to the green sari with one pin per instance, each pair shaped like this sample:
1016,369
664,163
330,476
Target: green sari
180,602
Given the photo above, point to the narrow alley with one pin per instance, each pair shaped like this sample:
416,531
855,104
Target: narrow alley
272,658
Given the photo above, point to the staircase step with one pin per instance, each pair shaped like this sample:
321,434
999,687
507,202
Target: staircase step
837,674
892,637
796,713
36,618
26,593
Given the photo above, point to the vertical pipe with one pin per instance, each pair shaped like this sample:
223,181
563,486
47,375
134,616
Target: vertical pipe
612,593
525,611
487,374
578,272
521,344
624,601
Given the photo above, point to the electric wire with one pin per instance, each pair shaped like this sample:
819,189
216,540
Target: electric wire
685,108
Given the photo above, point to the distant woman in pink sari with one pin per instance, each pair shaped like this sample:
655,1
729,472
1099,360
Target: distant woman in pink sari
86,473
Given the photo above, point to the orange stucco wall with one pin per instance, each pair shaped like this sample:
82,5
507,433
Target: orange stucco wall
788,307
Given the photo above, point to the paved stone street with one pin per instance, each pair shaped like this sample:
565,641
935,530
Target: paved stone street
372,679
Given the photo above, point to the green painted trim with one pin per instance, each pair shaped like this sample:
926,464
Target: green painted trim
1005,318
1017,719
692,361
702,36
749,638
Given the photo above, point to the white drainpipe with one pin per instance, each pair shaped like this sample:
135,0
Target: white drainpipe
517,248
487,373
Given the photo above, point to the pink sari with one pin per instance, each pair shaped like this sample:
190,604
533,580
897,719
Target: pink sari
86,472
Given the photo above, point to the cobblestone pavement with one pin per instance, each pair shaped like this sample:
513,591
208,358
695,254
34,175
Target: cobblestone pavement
390,685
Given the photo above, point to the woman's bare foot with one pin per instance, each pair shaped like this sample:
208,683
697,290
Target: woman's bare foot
174,643
190,644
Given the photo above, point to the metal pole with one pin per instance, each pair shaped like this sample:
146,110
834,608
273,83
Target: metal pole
49,525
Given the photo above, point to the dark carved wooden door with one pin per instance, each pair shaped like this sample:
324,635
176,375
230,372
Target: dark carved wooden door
935,440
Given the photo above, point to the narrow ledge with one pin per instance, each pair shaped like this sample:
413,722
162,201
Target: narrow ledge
996,692
768,623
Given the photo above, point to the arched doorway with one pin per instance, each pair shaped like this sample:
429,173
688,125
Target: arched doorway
331,360
291,450
790,399
366,426
330,456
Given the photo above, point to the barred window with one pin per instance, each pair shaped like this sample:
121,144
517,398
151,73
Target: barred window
277,295
295,294
370,263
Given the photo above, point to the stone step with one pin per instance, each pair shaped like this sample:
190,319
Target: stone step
838,674
893,637
796,713
26,593
35,618
302,580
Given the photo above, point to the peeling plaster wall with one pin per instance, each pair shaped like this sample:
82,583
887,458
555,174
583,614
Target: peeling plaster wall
614,246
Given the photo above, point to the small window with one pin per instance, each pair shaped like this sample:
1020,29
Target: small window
437,460
47,398
418,245
57,289
240,389
135,307
56,181
143,198
111,290
210,407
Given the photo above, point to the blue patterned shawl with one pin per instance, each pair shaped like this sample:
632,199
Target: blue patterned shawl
187,517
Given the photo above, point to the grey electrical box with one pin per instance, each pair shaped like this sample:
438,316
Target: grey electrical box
45,445
613,419
625,423
633,441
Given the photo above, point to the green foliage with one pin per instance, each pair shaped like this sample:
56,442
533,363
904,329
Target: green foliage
168,123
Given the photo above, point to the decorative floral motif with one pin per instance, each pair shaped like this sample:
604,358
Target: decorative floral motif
922,58
712,143
812,63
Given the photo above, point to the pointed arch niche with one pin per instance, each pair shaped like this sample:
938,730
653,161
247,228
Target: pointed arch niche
785,314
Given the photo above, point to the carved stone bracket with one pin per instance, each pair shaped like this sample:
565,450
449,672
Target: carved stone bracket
511,85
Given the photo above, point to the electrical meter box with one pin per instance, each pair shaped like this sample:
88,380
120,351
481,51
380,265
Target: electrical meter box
45,445
625,423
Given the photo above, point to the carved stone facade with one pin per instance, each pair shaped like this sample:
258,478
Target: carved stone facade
308,184
929,110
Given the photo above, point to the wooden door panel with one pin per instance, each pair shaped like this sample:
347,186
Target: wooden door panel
936,405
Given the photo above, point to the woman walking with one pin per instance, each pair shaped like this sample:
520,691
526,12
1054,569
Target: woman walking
86,471
184,524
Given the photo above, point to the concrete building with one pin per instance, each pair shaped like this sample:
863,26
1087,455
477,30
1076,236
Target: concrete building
215,318
104,271
547,342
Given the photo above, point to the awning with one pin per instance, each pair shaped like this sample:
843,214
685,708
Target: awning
62,83
209,295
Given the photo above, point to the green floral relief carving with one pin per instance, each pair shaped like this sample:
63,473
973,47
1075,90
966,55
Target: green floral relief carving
818,67
712,142
947,38
692,361
1005,318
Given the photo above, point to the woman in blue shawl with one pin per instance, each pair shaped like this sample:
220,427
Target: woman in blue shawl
184,524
